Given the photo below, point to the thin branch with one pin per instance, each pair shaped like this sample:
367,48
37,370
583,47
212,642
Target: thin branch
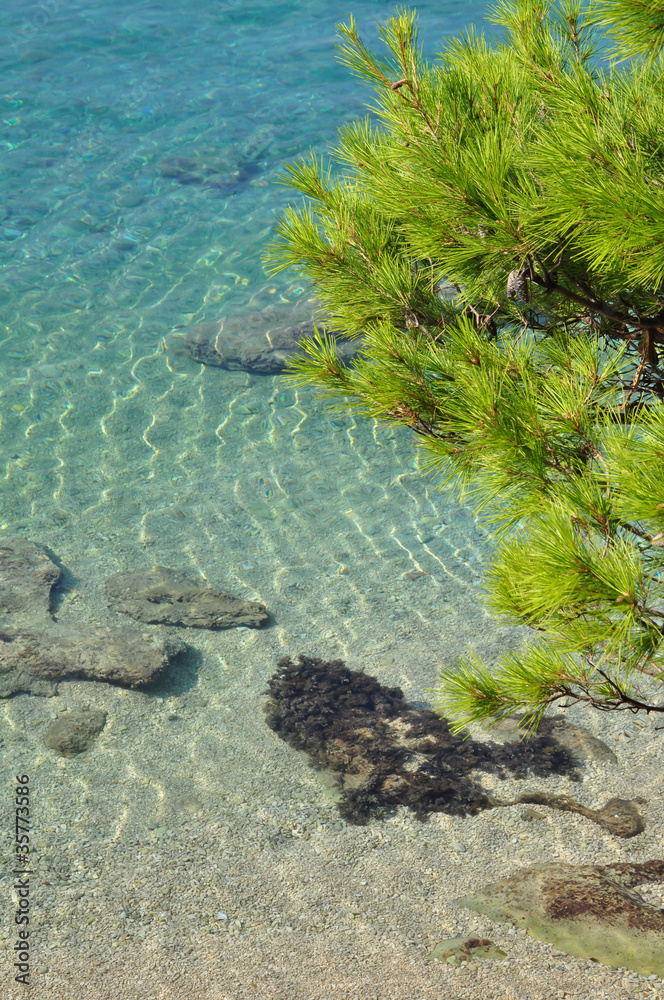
644,323
637,377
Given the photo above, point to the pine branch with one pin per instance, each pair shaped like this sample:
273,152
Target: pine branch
531,180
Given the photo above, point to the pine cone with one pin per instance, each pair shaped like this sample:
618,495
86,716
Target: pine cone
517,285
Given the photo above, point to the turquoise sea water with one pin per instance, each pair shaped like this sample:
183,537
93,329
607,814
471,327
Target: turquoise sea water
121,224
108,249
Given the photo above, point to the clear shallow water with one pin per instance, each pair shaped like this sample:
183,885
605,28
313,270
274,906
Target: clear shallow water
109,250
117,450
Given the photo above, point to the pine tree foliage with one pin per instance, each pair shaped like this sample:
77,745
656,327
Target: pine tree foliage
495,232
636,27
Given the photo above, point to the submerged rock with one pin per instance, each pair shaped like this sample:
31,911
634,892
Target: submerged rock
165,596
75,731
590,911
621,817
34,660
582,745
212,167
210,172
27,576
261,342
468,948
36,651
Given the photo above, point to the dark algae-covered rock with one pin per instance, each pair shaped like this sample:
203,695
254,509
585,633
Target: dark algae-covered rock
384,753
74,731
163,596
591,911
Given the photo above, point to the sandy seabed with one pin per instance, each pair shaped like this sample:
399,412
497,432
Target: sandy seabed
190,853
